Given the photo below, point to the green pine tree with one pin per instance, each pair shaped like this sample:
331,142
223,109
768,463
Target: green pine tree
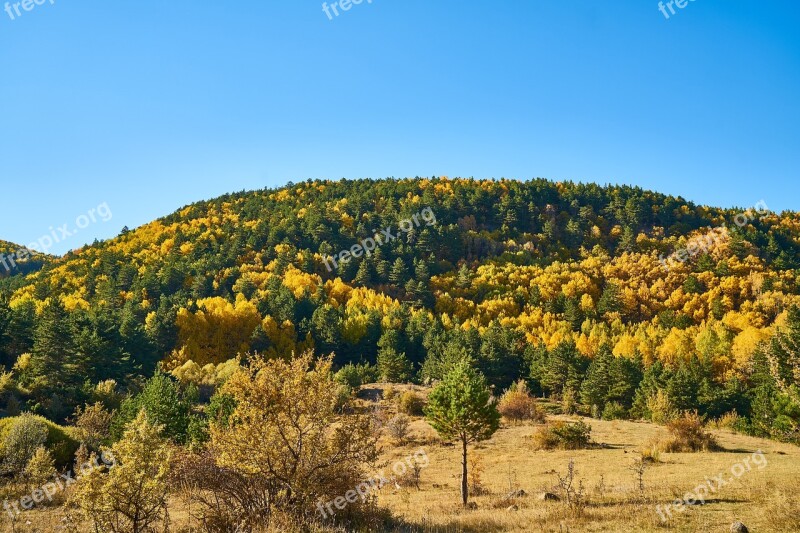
459,408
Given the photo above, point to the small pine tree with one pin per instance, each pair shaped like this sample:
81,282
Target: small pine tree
394,366
459,408
364,275
464,277
399,273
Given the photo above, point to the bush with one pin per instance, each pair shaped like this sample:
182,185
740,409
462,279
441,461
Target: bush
660,407
93,423
687,434
563,436
569,401
731,421
614,411
517,404
356,375
59,440
411,404
24,437
397,427
651,453
40,468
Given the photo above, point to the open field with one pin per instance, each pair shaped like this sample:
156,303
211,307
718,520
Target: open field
763,499
765,496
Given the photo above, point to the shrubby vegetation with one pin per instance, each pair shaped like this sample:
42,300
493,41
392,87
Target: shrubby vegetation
563,436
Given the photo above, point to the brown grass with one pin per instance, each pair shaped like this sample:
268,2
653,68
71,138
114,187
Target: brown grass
763,499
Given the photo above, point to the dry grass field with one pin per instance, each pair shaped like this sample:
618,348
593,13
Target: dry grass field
765,496
764,499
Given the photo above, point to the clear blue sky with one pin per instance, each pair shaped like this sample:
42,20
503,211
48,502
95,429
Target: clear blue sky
151,105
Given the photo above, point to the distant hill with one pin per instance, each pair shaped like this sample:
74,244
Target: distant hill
18,260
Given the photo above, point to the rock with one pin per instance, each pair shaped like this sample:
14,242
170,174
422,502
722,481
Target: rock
516,494
472,505
738,527
512,508
548,497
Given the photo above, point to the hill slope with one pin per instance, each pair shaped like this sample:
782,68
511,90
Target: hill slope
16,259
559,283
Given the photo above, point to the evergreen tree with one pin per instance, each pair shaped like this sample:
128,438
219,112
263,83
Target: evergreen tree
464,279
55,367
393,366
165,404
610,300
459,408
399,273
595,387
364,275
6,358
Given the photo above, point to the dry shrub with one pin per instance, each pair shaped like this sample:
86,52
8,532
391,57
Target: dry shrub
93,423
397,427
389,393
287,440
476,487
411,476
410,403
569,401
517,404
728,421
573,494
687,434
651,452
563,436
220,498
660,407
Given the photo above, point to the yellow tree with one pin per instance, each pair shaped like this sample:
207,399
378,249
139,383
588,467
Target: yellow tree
286,432
132,496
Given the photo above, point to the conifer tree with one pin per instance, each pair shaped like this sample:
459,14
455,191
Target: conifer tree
459,408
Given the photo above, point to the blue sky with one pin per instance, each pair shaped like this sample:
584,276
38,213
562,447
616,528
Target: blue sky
152,105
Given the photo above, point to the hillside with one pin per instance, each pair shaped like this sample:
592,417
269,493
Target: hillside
252,358
535,280
17,260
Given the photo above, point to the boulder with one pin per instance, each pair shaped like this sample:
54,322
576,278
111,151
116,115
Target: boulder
738,527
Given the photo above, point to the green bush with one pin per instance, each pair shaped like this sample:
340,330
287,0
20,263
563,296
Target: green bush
410,403
563,436
16,431
165,404
356,375
614,411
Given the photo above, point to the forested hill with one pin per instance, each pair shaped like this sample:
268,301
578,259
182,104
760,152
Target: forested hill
17,260
552,282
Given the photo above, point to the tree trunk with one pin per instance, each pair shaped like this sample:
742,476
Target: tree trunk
464,485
